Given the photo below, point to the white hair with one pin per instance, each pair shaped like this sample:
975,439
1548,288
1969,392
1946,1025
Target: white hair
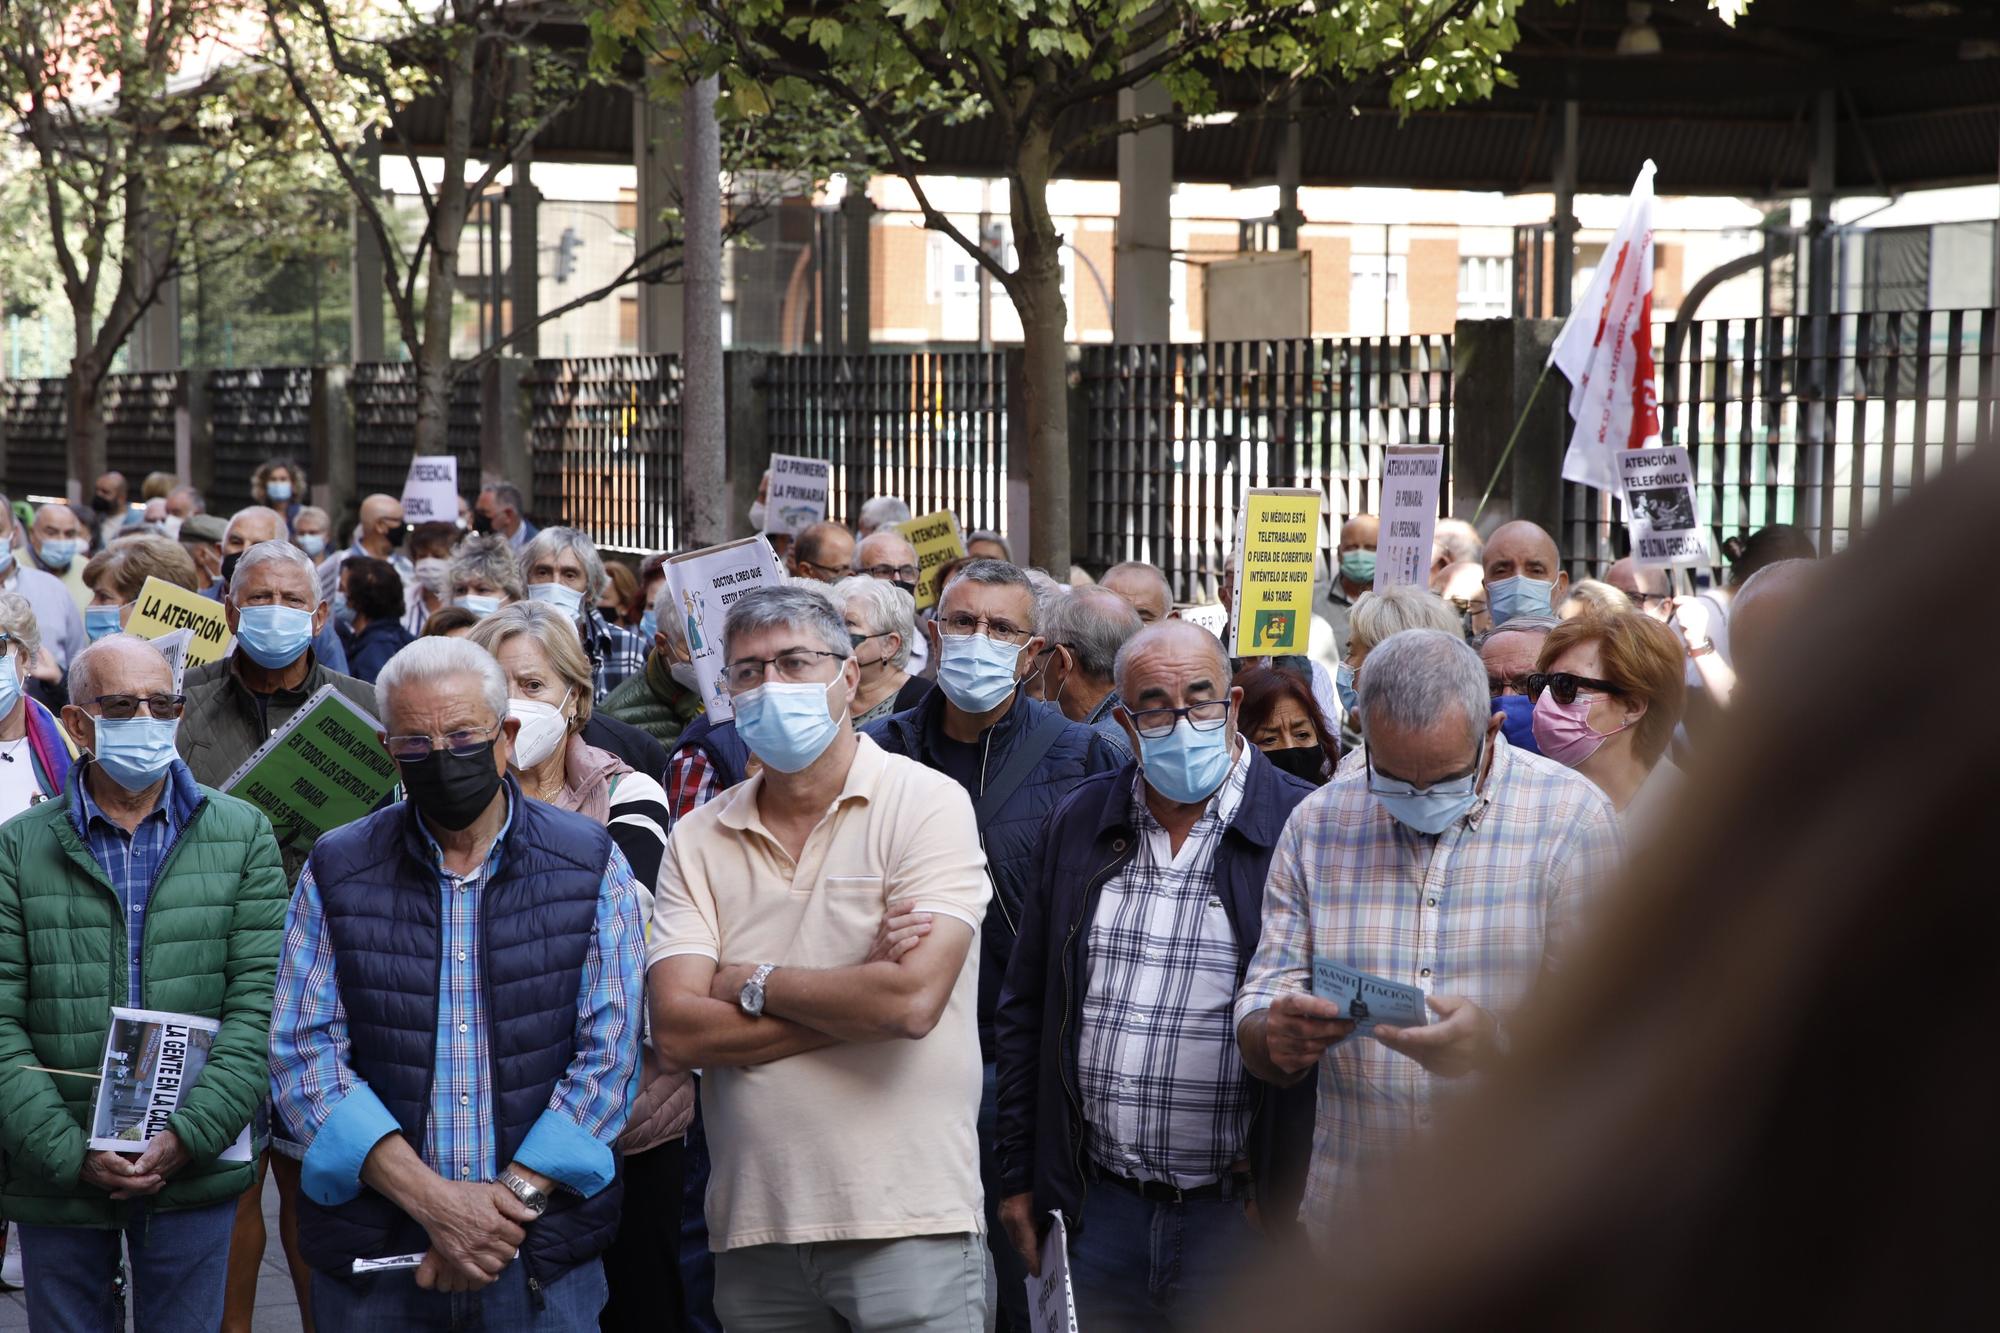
1377,615
882,511
885,535
1415,679
83,667
667,617
279,550
17,622
550,542
883,608
251,511
439,658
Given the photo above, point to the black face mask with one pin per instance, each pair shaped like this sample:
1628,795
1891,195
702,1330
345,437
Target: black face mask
909,588
102,505
481,523
1307,762
452,790
229,565
395,537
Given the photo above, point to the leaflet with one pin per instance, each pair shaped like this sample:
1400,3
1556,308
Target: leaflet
151,1059
1369,999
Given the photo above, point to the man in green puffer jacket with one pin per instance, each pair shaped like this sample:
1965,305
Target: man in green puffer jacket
136,887
662,699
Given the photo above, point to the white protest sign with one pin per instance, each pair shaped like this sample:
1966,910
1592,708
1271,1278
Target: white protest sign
174,647
798,493
1410,477
430,492
1212,616
1051,1303
705,582
1658,485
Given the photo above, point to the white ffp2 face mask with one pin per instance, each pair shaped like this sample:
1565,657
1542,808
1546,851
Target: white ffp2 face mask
543,728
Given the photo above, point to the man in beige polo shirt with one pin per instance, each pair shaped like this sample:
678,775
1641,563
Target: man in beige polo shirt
812,952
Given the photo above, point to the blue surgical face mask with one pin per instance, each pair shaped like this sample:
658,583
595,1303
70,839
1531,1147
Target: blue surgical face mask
786,725
1186,764
1519,710
135,752
649,625
1519,596
977,673
1431,811
6,560
10,682
560,595
312,543
100,621
59,552
278,492
274,636
1358,567
1343,684
478,605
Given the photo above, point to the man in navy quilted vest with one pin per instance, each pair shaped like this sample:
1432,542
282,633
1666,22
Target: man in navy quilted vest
457,1028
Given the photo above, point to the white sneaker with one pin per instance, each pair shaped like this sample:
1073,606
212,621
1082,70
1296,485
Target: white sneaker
10,1267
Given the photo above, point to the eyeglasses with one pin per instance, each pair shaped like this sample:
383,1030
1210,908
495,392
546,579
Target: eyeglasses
1565,687
121,707
1153,723
460,744
831,573
908,573
795,666
1499,685
1005,631
1647,600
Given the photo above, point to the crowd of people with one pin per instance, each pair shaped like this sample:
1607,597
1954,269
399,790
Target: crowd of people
620,1014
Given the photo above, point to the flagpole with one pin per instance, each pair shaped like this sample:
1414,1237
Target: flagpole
1508,452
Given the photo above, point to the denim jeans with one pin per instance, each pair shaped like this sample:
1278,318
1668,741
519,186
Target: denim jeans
697,1264
180,1268
394,1303
1135,1264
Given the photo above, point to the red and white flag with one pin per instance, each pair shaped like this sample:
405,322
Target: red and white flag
1606,351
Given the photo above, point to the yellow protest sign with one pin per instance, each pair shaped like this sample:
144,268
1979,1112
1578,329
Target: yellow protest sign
162,608
1277,547
937,541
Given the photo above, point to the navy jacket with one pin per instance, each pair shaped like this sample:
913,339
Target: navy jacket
537,919
728,756
369,650
1089,840
1013,836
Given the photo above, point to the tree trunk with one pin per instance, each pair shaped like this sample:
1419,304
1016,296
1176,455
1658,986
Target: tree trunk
1038,298
433,357
88,453
704,501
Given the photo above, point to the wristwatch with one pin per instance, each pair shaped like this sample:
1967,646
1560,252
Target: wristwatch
530,1197
1703,649
751,1001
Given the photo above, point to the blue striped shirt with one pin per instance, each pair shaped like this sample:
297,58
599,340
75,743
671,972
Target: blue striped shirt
328,1108
131,861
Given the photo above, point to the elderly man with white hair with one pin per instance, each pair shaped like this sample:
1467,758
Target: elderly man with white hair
480,1135
562,567
883,511
253,526
1449,862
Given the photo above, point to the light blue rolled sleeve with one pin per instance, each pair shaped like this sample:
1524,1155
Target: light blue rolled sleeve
331,1172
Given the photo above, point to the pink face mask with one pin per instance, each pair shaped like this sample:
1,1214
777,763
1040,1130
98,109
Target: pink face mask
1564,732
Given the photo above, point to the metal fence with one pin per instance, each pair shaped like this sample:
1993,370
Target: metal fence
1816,422
143,415
605,442
384,397
1177,433
930,427
37,427
256,413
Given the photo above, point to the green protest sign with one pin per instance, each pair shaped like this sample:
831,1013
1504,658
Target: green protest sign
323,768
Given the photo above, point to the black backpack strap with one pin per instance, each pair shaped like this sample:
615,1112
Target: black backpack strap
1022,760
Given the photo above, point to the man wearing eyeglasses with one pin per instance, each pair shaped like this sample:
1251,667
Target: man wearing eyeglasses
1448,861
1646,586
888,555
135,887
811,953
822,553
1145,910
1016,757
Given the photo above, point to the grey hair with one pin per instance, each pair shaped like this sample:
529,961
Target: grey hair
793,606
490,559
439,658
883,608
1377,615
994,574
1517,625
198,505
249,511
884,510
886,534
551,542
667,617
1047,593
508,494
278,550
1458,539
1415,678
1152,571
83,667
17,622
1093,623
988,535
313,511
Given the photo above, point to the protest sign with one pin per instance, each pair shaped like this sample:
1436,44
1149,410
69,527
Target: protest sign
174,648
938,543
705,582
1369,999
1051,1301
1410,477
430,492
161,608
151,1059
321,769
1660,509
1213,617
1277,549
796,498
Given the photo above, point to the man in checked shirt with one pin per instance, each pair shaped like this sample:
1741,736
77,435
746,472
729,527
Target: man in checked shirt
1448,861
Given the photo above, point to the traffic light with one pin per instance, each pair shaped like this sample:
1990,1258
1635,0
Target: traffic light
566,249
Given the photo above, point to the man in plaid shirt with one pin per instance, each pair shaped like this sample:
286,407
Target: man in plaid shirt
1448,861
562,567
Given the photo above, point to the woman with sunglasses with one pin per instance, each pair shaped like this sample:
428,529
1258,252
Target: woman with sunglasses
1608,692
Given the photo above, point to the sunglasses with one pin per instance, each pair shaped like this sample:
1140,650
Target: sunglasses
1566,687
124,707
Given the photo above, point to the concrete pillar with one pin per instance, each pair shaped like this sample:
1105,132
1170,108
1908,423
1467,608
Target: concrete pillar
656,151
1563,225
1819,331
330,451
704,473
1495,363
368,276
857,211
524,267
1291,162
155,343
749,436
1142,263
832,256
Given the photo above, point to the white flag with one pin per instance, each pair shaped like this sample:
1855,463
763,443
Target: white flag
1606,351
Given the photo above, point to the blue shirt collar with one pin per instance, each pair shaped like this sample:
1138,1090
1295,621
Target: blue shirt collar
85,809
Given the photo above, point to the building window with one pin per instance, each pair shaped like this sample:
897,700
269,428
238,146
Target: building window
1485,286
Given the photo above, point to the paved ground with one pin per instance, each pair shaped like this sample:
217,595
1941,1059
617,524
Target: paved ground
277,1307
